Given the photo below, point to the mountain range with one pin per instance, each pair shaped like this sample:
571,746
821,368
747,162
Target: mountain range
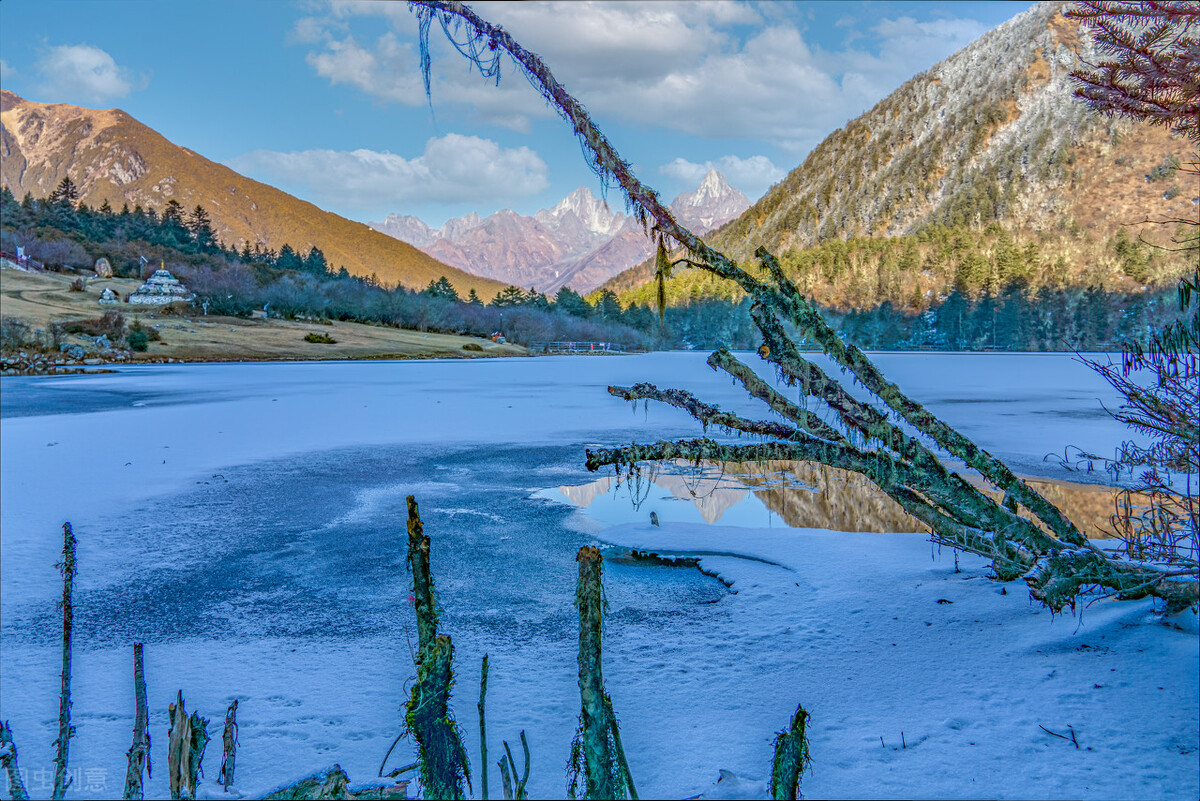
992,135
579,243
112,157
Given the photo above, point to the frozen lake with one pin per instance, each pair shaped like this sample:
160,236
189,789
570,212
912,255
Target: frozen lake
247,522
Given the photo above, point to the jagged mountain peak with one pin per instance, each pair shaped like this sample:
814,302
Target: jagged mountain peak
713,203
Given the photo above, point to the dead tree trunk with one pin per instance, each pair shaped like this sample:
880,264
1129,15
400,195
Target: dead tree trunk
8,758
444,765
229,739
605,769
483,763
957,513
186,741
791,758
139,752
65,729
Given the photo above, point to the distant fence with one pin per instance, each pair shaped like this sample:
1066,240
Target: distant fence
577,347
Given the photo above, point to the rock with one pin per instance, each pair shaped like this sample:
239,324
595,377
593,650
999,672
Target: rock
108,297
103,268
93,361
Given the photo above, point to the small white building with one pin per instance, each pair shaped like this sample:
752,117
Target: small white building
160,289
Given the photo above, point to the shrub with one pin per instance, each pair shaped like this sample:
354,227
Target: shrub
322,339
76,285
472,346
111,325
138,337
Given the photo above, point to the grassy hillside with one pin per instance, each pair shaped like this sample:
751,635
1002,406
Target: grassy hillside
112,157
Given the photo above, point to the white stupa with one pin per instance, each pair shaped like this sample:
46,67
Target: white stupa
160,289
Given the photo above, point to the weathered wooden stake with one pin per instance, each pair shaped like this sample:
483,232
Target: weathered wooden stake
65,729
229,739
444,764
139,752
186,742
483,771
8,758
791,758
178,738
515,792
606,774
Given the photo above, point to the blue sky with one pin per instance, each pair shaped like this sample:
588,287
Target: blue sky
324,98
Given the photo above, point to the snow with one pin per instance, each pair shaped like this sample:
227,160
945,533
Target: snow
244,521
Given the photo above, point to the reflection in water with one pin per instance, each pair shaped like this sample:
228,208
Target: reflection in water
802,495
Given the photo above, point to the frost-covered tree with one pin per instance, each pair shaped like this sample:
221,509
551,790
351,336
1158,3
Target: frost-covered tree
1150,61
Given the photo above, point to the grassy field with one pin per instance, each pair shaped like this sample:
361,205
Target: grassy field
40,299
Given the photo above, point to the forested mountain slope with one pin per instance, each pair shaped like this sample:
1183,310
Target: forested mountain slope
989,140
112,157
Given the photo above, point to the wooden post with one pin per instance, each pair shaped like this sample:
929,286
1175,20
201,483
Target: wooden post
606,778
791,758
65,730
483,763
186,742
178,738
229,739
139,752
443,758
8,758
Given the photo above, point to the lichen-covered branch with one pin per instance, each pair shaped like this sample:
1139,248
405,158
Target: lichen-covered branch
1059,577
705,413
810,422
810,321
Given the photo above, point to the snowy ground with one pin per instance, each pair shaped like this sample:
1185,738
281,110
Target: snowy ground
247,523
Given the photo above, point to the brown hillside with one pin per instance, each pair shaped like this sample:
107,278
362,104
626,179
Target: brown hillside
113,157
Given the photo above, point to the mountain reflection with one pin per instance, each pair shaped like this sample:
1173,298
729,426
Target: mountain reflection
811,495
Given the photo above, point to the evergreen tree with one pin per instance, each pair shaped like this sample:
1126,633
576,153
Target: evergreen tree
442,289
315,262
473,298
608,308
65,194
288,259
199,224
508,297
569,301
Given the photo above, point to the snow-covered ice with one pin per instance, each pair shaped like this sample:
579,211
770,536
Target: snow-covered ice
247,523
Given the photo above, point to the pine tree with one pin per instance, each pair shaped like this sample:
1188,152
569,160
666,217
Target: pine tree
315,262
442,289
65,194
288,259
199,224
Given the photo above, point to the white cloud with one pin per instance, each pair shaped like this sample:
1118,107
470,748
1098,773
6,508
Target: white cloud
85,73
753,176
7,70
716,70
453,169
